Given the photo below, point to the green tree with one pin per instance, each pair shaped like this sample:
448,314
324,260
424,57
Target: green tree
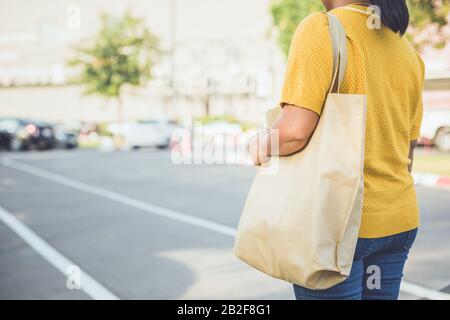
287,14
121,53
426,13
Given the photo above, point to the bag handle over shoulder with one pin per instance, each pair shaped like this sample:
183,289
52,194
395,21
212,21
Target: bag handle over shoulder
339,44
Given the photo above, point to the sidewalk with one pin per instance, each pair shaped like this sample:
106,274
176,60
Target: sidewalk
431,180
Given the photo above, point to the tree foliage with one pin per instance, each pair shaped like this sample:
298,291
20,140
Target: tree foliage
426,13
287,14
122,52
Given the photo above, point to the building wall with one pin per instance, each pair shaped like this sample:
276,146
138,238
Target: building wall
67,103
225,43
216,43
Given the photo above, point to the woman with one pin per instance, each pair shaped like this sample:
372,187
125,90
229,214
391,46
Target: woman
383,66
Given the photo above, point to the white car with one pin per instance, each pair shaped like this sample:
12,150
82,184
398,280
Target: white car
148,133
436,128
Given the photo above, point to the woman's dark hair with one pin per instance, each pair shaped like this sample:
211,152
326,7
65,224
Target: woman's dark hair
394,14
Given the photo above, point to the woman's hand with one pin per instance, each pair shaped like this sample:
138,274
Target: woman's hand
258,148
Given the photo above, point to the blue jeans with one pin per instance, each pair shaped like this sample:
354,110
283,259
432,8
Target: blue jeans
376,272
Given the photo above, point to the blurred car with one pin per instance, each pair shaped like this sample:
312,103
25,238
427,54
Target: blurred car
65,139
148,133
23,134
435,128
4,139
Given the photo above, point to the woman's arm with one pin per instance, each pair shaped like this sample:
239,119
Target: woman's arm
307,82
295,127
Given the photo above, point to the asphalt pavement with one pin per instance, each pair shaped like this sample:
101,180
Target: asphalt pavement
141,227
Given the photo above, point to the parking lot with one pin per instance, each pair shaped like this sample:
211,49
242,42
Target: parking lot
141,227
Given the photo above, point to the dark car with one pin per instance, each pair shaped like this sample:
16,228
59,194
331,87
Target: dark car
4,139
64,138
23,134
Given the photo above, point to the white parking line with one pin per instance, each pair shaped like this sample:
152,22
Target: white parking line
88,284
117,197
407,287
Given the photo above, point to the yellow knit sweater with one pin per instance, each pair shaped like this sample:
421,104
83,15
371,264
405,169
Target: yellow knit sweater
383,66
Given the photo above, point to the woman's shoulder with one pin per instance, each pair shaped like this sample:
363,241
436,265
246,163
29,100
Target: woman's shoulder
414,54
311,40
312,27
316,19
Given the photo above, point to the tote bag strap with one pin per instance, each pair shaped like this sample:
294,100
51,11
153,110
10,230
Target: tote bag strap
339,43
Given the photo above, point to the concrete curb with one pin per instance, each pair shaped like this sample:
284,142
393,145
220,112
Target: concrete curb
431,180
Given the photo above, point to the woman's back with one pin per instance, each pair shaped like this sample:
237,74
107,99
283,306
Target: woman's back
383,66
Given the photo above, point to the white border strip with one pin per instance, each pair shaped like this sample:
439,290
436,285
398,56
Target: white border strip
406,287
88,284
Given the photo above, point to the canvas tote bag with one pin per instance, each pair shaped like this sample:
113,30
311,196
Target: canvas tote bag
300,223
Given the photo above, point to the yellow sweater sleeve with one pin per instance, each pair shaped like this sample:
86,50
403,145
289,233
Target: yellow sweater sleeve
310,65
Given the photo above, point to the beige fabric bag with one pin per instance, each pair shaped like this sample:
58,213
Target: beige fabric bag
301,224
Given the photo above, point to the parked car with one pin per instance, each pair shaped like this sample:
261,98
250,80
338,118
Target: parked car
148,133
23,134
5,137
435,128
64,138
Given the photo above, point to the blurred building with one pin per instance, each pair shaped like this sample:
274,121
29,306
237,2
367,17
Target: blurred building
225,62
